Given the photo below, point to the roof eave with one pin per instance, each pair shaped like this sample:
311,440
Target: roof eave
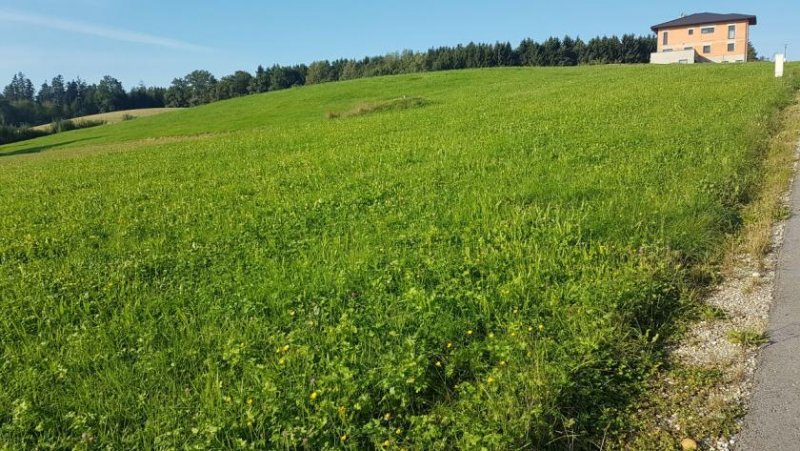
752,20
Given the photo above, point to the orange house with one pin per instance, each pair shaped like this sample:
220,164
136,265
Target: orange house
703,38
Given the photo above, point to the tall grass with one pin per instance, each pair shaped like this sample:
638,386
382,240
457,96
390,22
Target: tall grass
66,125
401,103
494,270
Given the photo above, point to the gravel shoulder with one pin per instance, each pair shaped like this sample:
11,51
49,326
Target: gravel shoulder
773,421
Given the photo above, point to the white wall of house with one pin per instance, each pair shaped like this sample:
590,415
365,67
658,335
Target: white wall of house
729,59
676,57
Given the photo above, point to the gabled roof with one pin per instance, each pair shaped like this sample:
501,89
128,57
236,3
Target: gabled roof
703,19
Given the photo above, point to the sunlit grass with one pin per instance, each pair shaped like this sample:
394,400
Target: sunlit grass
489,270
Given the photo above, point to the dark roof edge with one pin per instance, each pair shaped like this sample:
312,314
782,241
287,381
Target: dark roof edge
688,21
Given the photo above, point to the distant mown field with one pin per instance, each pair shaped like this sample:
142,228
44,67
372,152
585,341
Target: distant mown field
114,116
472,259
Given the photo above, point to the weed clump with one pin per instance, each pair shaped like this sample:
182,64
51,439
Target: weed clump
364,108
66,125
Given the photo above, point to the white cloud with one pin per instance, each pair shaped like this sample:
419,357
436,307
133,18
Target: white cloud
95,30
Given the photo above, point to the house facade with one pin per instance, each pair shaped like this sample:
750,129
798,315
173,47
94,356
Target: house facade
703,38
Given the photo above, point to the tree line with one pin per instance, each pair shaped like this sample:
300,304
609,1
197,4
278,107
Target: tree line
22,105
202,87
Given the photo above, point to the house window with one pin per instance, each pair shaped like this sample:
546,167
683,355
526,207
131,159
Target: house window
731,31
706,49
688,48
666,38
691,31
731,47
707,30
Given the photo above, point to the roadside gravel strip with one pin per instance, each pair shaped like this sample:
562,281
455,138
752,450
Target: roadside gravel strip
744,298
773,422
755,296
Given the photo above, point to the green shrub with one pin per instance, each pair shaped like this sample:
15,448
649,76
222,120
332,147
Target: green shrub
65,125
10,134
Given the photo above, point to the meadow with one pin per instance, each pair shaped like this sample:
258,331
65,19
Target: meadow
480,259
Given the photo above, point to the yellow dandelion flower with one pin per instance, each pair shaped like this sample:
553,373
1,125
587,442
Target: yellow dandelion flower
469,332
530,328
398,431
285,348
502,363
281,361
489,380
491,335
541,327
291,312
250,402
386,444
439,364
343,438
313,396
387,416
449,345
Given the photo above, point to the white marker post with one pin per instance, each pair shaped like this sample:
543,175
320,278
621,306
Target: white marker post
779,59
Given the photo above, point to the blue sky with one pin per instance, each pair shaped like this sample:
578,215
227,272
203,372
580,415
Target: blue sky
155,41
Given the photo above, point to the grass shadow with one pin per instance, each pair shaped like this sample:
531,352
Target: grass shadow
38,149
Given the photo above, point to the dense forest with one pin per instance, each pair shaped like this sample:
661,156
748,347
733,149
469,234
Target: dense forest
21,105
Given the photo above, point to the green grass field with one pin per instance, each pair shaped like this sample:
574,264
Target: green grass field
487,265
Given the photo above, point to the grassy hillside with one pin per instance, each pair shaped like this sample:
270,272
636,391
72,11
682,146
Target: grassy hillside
486,265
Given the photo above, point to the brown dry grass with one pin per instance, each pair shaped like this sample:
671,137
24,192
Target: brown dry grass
401,103
770,204
115,116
